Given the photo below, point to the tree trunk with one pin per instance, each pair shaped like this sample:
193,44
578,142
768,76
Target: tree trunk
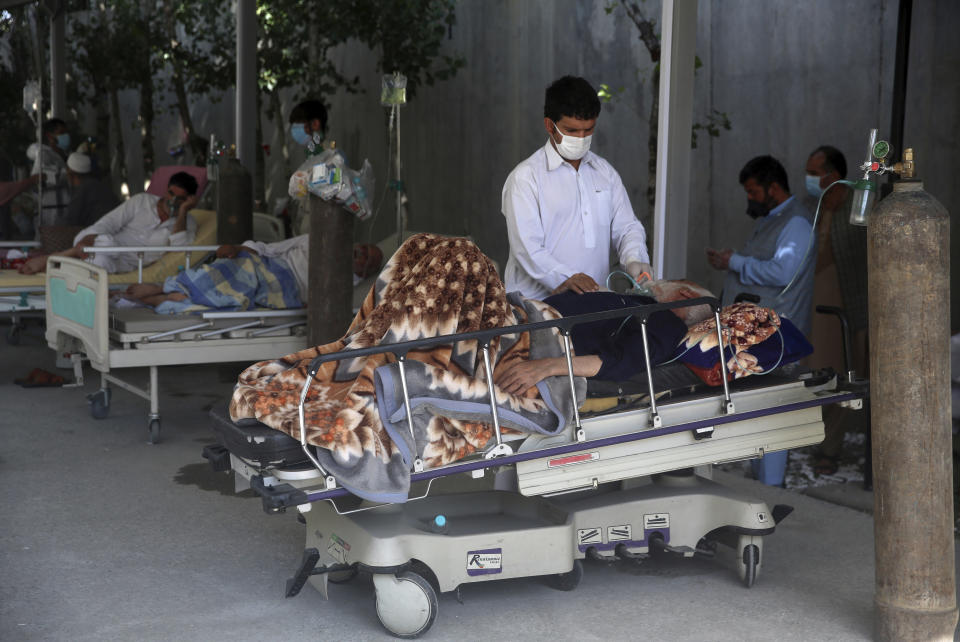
118,164
259,178
197,145
102,150
280,122
146,126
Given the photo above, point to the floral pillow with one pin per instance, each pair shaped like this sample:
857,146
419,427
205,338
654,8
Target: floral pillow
756,340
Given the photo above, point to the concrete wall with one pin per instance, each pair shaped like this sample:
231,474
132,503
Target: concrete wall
932,124
790,75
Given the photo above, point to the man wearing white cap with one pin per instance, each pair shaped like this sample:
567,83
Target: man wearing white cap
90,197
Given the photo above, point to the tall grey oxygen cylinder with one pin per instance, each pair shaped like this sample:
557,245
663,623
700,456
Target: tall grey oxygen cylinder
908,256
234,202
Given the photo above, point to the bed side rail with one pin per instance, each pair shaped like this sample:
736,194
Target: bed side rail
255,322
142,250
484,337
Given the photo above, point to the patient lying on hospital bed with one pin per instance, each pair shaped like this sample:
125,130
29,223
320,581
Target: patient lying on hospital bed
251,275
355,411
255,274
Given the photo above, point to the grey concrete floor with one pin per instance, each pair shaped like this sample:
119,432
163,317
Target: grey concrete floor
104,537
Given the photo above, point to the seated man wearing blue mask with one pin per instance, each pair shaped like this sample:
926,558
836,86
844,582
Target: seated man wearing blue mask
566,207
782,249
145,219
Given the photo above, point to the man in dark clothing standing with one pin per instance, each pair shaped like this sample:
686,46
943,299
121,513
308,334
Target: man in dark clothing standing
90,197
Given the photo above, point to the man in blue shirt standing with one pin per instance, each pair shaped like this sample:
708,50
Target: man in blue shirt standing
780,253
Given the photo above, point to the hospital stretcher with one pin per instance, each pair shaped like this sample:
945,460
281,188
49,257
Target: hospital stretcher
24,295
626,480
81,322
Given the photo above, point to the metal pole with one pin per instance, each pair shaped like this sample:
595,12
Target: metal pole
58,69
908,256
396,109
900,61
246,97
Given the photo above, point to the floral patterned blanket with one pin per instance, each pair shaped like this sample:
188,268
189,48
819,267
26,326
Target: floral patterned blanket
354,412
756,340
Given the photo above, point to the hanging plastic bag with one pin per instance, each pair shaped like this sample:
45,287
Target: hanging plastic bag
327,176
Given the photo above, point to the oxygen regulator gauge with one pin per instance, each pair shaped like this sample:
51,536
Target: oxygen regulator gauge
881,149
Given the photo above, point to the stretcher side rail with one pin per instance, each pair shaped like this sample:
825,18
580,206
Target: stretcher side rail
483,338
277,497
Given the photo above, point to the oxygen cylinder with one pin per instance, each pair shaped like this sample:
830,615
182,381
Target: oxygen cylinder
234,202
908,250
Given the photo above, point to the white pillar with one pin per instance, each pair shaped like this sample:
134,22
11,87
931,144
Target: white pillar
246,97
672,201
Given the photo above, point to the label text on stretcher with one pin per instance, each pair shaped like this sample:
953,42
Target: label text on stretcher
569,460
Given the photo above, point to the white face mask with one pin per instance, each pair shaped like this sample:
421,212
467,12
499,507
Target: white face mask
571,147
813,186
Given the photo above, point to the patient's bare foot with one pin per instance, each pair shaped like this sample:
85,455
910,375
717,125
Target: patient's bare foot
157,299
142,290
34,265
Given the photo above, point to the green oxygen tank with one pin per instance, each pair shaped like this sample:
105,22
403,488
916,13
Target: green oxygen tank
234,201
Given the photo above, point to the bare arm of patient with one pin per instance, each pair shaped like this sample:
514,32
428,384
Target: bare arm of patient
519,376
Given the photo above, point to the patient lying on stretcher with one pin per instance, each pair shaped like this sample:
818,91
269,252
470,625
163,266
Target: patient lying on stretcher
355,412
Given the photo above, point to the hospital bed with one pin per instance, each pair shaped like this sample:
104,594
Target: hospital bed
19,304
630,478
80,321
24,295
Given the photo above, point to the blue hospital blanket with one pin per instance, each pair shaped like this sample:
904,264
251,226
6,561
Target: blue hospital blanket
246,281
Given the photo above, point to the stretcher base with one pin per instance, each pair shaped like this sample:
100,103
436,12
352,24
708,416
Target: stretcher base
493,535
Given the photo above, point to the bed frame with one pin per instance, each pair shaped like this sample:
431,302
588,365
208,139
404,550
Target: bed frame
81,323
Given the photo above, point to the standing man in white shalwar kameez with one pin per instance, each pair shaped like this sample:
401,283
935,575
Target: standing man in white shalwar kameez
566,207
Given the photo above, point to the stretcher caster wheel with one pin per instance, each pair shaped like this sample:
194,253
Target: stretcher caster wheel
153,428
748,564
100,404
342,577
406,603
569,580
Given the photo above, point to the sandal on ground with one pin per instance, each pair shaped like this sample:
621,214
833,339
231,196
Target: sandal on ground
825,465
39,378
